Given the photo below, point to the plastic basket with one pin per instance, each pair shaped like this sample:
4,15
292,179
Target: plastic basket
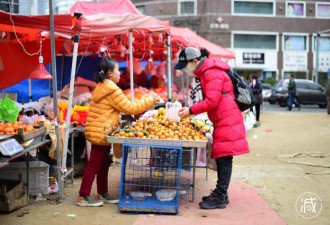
38,175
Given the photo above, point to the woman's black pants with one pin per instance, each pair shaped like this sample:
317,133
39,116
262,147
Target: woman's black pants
224,170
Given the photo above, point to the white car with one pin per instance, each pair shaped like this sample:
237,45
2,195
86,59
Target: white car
266,91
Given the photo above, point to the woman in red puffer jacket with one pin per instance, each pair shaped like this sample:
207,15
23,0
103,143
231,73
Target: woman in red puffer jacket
229,131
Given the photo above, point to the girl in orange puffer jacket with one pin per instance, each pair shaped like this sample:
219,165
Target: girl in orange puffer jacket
107,102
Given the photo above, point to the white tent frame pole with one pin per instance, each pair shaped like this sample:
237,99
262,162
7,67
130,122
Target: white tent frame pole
131,63
169,67
30,90
71,90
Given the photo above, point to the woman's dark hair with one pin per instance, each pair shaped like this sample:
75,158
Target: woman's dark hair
104,66
254,76
204,53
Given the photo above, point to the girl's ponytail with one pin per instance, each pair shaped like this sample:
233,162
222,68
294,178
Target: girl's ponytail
204,52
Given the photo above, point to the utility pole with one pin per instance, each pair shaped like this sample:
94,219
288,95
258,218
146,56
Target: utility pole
317,41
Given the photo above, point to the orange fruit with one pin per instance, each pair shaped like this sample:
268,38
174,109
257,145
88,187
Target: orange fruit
140,134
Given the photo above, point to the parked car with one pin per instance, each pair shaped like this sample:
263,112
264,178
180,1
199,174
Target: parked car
266,91
308,93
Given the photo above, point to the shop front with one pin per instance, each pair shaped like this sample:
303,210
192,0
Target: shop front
295,58
262,63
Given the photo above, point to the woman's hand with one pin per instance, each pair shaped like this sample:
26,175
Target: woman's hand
184,112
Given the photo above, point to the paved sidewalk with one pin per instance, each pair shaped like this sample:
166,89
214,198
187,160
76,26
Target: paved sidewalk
246,207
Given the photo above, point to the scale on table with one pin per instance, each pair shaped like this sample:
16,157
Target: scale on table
10,147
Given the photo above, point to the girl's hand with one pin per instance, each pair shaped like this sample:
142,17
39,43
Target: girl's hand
120,122
184,112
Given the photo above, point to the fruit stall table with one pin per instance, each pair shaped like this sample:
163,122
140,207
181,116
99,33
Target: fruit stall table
168,143
37,138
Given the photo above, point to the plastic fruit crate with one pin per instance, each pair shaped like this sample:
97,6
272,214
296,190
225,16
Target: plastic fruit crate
38,175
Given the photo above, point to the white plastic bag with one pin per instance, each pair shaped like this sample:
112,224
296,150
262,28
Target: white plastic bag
165,195
211,163
53,188
172,111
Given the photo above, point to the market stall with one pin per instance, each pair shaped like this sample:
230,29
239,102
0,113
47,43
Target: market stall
24,33
106,31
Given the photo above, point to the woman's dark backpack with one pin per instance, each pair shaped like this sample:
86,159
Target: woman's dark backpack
243,93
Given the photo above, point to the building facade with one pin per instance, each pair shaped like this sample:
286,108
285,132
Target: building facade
270,38
25,7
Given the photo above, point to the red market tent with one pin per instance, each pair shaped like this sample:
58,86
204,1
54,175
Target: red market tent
103,24
112,7
103,20
103,29
179,36
189,38
16,65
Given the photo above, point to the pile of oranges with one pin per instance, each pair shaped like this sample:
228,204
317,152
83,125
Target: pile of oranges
12,128
161,128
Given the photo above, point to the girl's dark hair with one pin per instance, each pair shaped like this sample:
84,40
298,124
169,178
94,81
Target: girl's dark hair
204,53
254,76
104,66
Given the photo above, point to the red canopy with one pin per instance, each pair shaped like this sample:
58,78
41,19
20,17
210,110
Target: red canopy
62,23
15,64
112,7
104,24
188,38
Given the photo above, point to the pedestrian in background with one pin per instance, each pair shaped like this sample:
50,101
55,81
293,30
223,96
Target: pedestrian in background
256,87
292,93
328,94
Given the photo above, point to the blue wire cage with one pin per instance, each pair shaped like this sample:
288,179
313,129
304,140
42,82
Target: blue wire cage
150,179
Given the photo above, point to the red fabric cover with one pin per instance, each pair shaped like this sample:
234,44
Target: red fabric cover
190,39
112,7
23,24
84,82
137,68
150,69
161,69
16,65
229,131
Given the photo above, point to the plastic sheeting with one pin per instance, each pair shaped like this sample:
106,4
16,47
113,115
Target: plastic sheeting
112,7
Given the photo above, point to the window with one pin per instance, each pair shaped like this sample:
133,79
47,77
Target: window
295,9
313,86
301,85
187,7
297,75
266,8
323,10
254,41
140,8
292,42
4,5
324,43
269,74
